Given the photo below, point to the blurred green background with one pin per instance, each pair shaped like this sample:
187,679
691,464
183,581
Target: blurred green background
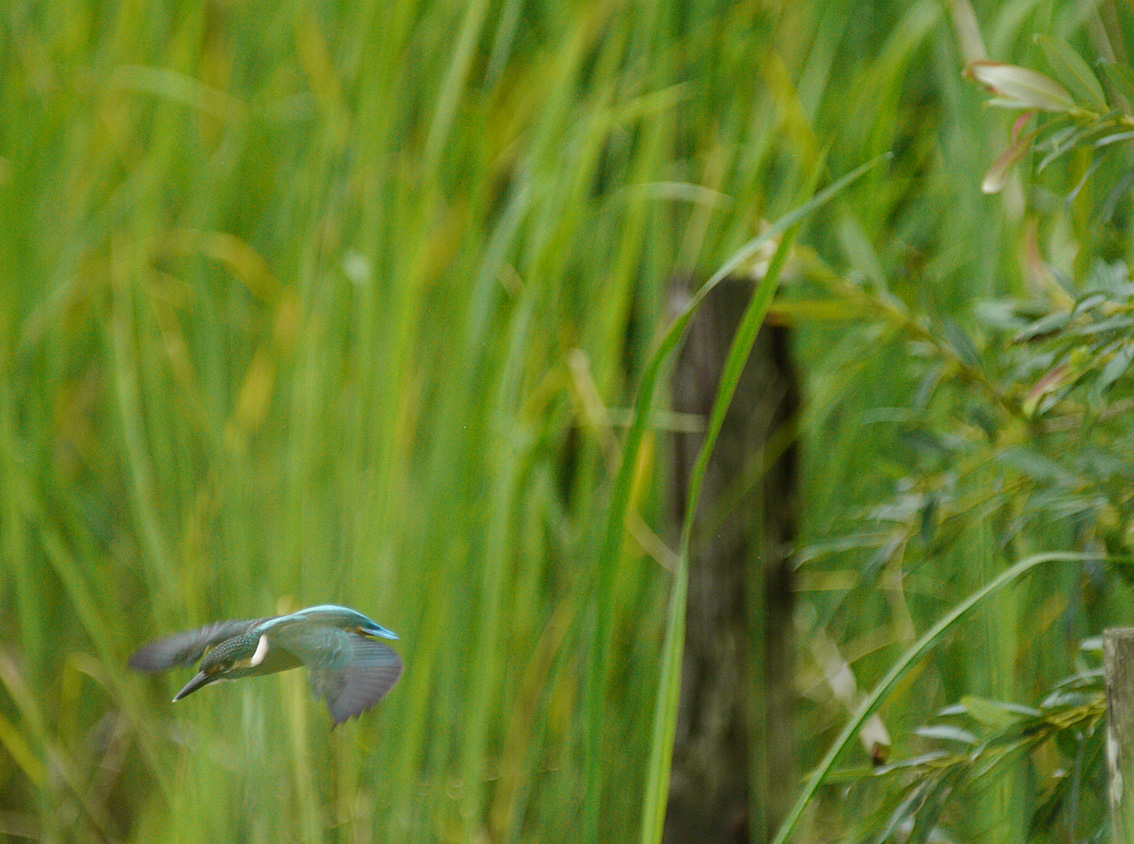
348,302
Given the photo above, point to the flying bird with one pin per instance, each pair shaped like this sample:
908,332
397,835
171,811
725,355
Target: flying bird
349,668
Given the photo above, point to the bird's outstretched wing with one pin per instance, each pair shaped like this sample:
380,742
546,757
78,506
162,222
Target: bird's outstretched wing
352,672
357,687
186,648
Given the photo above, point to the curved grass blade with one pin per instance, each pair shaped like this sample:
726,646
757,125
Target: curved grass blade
669,693
903,664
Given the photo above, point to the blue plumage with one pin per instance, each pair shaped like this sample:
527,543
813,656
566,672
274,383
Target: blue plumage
349,669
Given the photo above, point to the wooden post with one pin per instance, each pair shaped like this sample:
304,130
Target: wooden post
734,768
1118,659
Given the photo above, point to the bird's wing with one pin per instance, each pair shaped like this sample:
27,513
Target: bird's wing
355,688
350,671
186,648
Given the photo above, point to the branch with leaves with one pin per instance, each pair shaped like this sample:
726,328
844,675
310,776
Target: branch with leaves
1082,112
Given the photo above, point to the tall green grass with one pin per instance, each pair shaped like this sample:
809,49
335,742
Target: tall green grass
348,302
290,307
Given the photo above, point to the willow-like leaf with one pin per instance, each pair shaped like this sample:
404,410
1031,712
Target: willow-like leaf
1021,87
1073,72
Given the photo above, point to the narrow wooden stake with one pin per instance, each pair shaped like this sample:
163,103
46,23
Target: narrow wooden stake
1118,659
734,768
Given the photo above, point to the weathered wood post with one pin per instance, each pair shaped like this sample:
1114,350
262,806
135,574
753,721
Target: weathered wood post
1118,659
734,768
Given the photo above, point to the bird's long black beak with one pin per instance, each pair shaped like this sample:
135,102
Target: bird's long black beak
200,681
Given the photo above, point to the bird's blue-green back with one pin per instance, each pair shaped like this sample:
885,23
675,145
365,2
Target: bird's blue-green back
329,616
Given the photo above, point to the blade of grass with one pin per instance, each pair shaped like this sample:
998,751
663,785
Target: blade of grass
669,691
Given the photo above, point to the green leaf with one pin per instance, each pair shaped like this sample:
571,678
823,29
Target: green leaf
1020,87
946,732
994,713
1073,72
912,762
1089,302
1107,140
1116,367
1044,326
962,344
1121,79
1036,466
1000,313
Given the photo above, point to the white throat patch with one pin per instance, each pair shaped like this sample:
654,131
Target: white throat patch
261,652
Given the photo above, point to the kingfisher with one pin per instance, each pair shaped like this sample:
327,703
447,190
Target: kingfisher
349,668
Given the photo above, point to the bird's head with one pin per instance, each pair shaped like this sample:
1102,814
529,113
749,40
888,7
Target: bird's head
233,658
